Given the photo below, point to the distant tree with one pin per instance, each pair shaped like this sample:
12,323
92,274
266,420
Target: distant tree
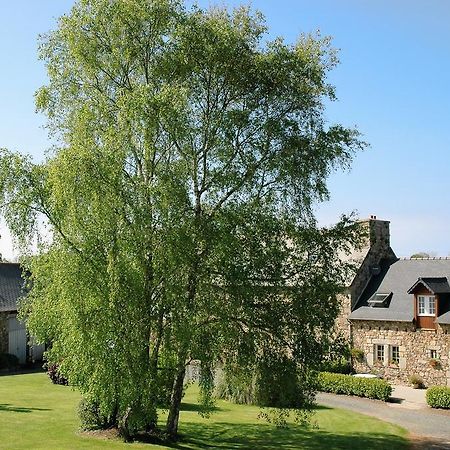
420,255
180,200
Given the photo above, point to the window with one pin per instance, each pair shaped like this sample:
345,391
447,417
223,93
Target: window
433,354
395,354
426,305
380,353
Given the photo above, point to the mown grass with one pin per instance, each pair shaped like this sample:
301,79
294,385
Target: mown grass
34,414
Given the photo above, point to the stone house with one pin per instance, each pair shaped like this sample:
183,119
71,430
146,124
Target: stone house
397,312
13,335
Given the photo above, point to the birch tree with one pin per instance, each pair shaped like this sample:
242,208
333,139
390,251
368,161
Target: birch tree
190,150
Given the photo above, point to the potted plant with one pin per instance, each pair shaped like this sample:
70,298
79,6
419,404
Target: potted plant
434,363
416,381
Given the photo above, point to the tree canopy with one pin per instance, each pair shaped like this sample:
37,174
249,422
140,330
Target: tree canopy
189,153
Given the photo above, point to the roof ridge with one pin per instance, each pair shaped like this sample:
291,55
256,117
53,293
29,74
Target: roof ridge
429,258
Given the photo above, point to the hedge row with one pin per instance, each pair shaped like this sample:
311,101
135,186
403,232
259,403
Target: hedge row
349,385
438,397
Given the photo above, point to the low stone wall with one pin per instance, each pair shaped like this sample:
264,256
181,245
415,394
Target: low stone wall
415,347
3,332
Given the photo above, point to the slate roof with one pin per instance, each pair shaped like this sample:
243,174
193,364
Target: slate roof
436,285
11,283
398,277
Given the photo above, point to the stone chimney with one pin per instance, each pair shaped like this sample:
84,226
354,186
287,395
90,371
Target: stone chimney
375,253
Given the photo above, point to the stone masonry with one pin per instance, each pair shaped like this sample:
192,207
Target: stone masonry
415,345
367,258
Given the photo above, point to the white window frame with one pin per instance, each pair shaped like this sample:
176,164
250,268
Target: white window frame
426,305
383,354
397,359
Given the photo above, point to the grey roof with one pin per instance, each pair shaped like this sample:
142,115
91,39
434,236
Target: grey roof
11,283
444,318
398,277
436,285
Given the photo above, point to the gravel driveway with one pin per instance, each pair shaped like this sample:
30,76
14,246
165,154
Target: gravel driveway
424,422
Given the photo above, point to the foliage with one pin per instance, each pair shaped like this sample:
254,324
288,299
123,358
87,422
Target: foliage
8,361
178,204
438,397
350,385
416,381
357,354
91,417
236,386
280,386
341,365
420,255
54,375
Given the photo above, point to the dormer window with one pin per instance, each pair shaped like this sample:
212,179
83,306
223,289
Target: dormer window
426,305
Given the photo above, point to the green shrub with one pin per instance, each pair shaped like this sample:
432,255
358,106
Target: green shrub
416,381
56,377
438,397
90,415
236,386
273,383
357,354
337,366
8,361
349,385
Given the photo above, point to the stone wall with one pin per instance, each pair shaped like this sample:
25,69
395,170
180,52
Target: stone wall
415,347
3,332
342,323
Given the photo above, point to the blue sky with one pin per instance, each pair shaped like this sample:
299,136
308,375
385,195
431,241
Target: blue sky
392,84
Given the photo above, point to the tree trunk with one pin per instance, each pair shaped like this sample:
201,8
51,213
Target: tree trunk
175,403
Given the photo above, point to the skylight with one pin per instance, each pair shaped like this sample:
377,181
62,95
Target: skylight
379,299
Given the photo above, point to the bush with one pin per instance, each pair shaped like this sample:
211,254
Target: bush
273,383
357,354
416,381
337,366
8,361
55,376
438,397
236,386
90,416
349,385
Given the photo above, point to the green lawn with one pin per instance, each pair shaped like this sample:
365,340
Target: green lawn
34,414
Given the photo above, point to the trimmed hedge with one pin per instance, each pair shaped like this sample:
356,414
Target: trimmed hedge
438,397
348,385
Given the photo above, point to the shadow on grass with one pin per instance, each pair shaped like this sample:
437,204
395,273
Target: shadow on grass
198,436
246,436
194,407
20,409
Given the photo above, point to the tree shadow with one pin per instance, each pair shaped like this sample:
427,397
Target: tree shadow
20,409
221,435
317,407
230,436
194,407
